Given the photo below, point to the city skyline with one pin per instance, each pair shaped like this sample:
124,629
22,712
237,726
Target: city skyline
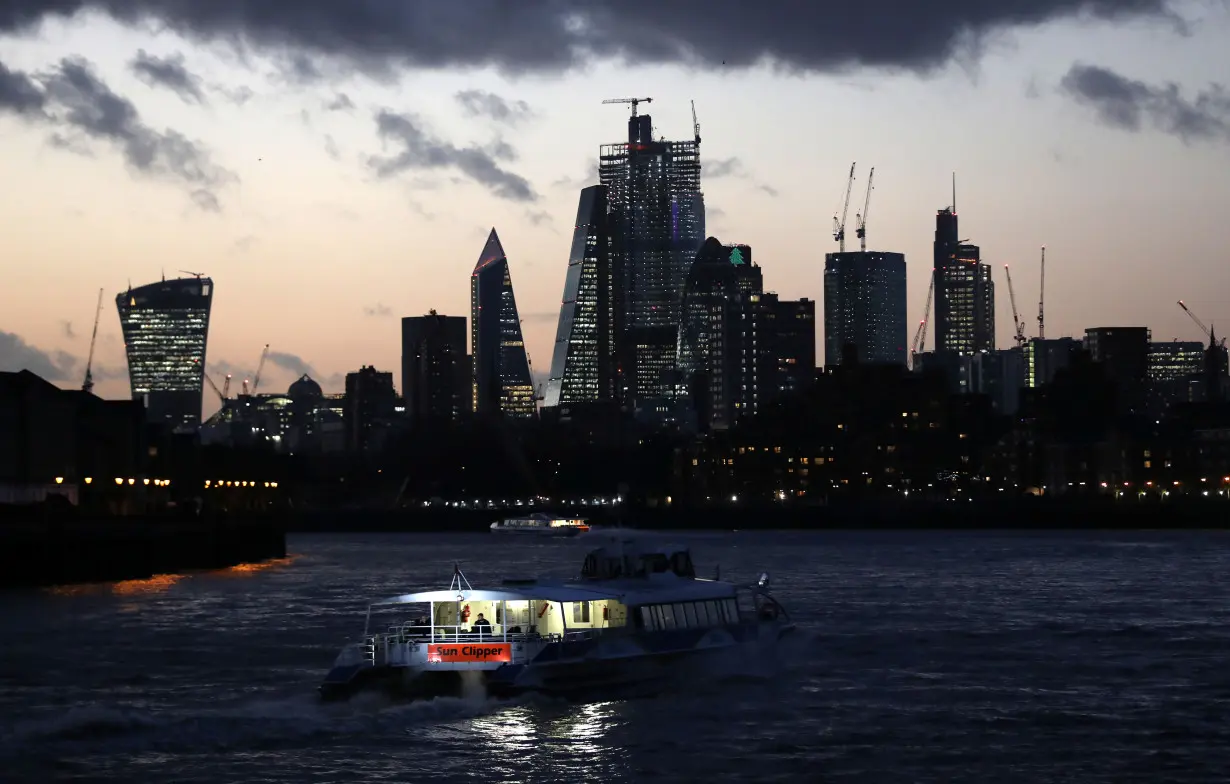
298,187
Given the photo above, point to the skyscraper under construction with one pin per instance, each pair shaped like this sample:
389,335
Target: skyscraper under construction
657,219
964,291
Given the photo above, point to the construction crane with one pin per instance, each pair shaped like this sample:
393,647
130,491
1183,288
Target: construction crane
1017,325
695,124
197,275
1042,297
256,379
920,337
214,387
839,224
88,384
226,387
1208,333
536,392
860,218
633,101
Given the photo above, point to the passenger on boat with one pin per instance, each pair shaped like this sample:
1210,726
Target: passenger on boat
481,625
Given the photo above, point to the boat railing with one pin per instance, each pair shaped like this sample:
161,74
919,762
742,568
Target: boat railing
577,635
410,632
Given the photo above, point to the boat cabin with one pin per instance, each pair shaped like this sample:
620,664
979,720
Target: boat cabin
629,558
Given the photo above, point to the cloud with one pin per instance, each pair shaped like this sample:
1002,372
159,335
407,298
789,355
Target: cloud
538,217
379,310
729,167
340,103
299,367
541,317
67,327
480,103
589,178
420,150
16,355
552,36
236,95
1127,104
80,107
244,243
714,213
769,189
170,73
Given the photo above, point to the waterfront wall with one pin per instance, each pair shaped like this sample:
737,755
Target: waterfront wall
35,553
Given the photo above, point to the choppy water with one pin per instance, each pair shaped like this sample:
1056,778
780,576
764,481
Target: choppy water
946,657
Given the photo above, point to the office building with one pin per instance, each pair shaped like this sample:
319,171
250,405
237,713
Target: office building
1044,357
435,368
1176,371
865,306
368,409
964,292
1124,353
502,384
166,329
721,277
583,366
657,215
781,349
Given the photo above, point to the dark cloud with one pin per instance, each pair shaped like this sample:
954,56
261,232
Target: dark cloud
81,108
589,178
558,35
728,167
16,354
67,327
340,103
169,72
298,366
769,189
420,150
538,217
480,103
379,310
1129,104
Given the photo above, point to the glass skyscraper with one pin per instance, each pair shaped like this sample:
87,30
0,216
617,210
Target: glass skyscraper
166,327
864,305
502,381
583,365
964,292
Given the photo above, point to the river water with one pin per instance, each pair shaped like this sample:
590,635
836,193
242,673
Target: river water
929,656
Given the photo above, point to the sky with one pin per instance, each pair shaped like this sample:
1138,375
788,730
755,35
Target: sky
336,166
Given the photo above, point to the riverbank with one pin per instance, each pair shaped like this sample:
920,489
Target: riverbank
64,552
992,514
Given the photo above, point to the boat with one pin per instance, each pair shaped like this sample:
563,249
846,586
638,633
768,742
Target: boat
541,525
637,616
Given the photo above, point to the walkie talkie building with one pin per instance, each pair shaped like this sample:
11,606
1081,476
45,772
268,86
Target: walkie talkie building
166,327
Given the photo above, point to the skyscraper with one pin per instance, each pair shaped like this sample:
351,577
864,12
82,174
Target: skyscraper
657,225
864,305
166,327
583,365
709,363
435,369
964,291
502,381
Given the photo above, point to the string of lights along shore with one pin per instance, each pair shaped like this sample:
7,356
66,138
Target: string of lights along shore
658,323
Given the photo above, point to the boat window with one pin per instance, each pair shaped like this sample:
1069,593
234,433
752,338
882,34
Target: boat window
715,611
668,616
580,612
689,612
732,610
681,564
656,563
646,618
702,614
658,621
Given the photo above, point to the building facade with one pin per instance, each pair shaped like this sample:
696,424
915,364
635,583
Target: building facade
502,384
1124,352
166,330
583,366
865,305
368,409
964,292
657,215
435,368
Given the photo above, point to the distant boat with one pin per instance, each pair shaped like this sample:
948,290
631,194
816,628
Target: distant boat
541,525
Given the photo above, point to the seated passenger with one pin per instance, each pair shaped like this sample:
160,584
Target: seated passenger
481,625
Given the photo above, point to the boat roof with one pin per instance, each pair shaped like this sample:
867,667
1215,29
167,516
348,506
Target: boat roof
654,589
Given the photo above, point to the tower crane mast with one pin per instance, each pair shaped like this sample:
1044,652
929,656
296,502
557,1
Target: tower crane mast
256,379
1208,333
1042,298
1018,326
88,384
839,224
861,217
920,337
695,123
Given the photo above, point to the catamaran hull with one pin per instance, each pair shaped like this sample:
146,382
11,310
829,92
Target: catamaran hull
608,669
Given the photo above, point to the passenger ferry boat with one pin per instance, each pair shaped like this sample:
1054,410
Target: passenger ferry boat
635,614
541,525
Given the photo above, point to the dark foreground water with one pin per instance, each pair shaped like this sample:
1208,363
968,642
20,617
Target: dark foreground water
946,657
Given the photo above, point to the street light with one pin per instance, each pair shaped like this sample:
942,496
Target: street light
119,480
